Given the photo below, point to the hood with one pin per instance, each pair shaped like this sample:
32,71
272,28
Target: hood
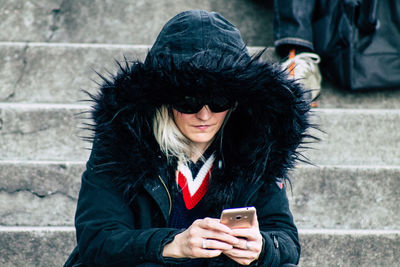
261,137
196,32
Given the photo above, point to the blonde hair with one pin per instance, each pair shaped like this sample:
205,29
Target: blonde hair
172,142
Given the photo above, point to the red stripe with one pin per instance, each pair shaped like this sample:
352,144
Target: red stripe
191,201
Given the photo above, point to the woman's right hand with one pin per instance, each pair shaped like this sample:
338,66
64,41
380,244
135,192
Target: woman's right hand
205,238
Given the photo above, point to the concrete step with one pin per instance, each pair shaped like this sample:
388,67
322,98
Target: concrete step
336,197
356,137
42,132
345,197
39,193
55,73
333,97
122,21
27,208
349,248
50,132
51,246
35,246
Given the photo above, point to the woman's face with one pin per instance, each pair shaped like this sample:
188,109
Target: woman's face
200,127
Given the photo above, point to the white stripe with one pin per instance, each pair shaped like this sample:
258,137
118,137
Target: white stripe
194,184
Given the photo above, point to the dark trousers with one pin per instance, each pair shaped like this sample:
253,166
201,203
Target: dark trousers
294,21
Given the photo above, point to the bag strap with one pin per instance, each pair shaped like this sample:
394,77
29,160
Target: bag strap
367,19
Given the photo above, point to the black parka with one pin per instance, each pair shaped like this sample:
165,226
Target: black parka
125,199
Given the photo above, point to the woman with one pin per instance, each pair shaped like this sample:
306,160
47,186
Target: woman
199,106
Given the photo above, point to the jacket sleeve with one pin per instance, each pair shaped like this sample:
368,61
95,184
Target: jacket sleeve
105,227
280,237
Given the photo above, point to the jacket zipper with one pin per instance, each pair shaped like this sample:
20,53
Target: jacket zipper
169,195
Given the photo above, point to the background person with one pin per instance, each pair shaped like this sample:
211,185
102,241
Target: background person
294,41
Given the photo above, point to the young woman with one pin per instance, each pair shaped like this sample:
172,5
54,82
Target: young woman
198,127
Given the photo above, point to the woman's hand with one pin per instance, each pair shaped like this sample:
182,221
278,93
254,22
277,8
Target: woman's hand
205,238
250,245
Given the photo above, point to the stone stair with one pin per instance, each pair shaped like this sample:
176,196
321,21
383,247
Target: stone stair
345,206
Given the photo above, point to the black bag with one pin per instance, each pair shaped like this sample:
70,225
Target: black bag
359,43
73,259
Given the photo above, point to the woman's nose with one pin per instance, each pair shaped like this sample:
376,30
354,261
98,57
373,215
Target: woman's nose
204,113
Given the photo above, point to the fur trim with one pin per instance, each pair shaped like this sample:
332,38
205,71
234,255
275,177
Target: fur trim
260,139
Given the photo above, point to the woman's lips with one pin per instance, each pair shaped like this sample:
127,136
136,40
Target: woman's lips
202,127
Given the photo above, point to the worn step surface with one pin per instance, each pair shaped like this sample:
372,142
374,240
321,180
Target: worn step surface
345,197
349,248
46,246
35,246
122,21
340,197
56,73
42,132
357,137
51,132
334,97
39,193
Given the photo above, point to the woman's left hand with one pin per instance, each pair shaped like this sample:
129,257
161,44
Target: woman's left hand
249,247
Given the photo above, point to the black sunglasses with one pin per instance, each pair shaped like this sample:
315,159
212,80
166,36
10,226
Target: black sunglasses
192,105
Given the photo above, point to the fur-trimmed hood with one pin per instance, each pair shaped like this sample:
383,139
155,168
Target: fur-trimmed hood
260,138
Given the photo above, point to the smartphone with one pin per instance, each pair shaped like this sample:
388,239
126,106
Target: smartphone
238,217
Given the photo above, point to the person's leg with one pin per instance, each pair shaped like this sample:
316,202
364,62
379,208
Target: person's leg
294,42
293,25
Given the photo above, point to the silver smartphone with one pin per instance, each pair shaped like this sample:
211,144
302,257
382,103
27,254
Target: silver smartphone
238,217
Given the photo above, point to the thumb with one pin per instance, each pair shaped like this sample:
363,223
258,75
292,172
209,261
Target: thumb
255,221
